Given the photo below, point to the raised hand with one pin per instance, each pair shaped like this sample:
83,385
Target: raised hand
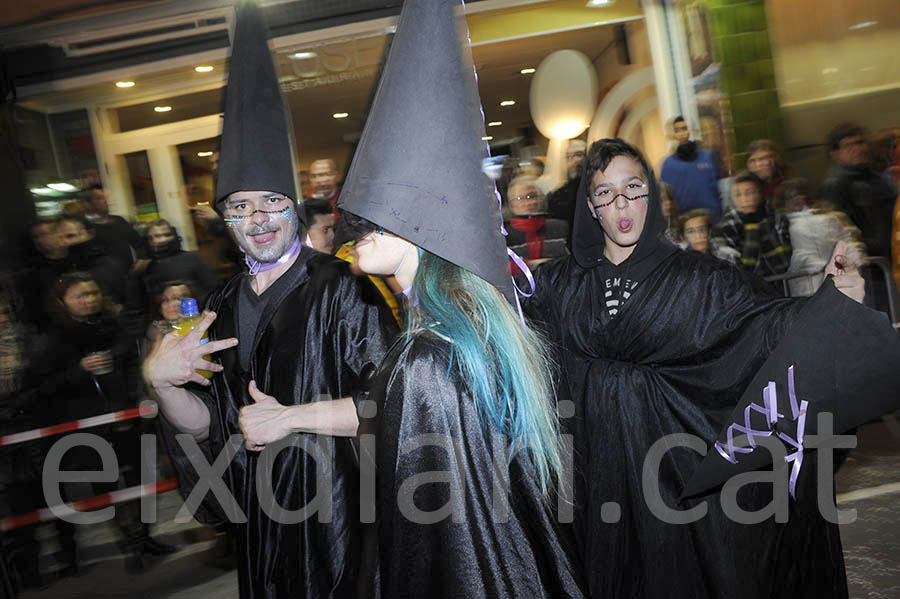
846,274
174,360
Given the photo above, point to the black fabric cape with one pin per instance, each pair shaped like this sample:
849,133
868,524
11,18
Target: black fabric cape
469,554
313,344
675,359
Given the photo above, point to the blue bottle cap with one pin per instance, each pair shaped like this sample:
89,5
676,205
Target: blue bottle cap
189,307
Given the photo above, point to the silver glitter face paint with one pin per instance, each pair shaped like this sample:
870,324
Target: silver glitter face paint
233,221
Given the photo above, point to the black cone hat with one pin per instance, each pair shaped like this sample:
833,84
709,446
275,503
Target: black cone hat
255,150
417,171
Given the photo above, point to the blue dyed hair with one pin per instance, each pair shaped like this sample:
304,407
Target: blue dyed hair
505,365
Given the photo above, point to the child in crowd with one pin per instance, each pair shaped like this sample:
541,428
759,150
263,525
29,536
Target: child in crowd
752,234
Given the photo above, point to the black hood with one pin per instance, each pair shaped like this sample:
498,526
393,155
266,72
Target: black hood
588,240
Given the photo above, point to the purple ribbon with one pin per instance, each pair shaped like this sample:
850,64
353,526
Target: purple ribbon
770,409
257,267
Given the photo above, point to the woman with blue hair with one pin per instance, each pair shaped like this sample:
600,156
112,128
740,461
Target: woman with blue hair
460,422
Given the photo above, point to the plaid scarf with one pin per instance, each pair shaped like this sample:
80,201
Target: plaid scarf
762,247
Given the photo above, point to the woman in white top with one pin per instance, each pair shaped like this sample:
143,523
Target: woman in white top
815,228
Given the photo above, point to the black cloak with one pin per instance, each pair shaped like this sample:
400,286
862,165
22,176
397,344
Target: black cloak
418,173
675,359
313,343
483,549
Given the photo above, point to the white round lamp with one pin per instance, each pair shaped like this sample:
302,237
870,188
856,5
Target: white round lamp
562,98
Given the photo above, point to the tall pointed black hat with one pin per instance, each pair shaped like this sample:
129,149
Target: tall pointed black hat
255,150
417,171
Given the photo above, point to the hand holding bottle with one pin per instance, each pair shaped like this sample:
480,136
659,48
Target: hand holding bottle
175,360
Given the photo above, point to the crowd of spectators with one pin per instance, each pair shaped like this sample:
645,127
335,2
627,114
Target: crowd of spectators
77,319
95,295
781,228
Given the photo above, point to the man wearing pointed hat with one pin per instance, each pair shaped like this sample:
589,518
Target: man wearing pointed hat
468,382
297,326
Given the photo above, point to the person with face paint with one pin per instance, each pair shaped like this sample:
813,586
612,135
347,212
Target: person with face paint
653,342
467,390
298,326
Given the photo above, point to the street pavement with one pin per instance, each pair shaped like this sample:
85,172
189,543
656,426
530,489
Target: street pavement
868,482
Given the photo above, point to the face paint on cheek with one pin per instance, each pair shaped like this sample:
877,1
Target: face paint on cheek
234,221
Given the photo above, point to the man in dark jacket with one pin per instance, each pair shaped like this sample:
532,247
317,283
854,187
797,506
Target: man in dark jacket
561,201
169,262
298,326
113,233
85,253
853,187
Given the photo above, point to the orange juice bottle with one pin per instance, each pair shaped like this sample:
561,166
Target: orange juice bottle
190,317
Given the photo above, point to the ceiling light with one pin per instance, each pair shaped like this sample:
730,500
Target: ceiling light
42,191
162,108
596,3
124,83
495,123
863,25
487,138
203,68
204,154
341,115
65,187
507,103
527,71
303,55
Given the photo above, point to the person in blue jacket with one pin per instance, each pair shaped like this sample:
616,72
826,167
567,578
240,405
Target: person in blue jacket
693,173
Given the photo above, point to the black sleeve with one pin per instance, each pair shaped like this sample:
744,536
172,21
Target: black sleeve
365,330
209,512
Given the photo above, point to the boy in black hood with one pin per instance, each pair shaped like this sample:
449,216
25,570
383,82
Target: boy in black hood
654,342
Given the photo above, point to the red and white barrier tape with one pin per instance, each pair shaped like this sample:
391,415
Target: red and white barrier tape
147,409
89,504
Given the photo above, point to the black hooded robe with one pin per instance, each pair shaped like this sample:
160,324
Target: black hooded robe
313,342
676,358
427,423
